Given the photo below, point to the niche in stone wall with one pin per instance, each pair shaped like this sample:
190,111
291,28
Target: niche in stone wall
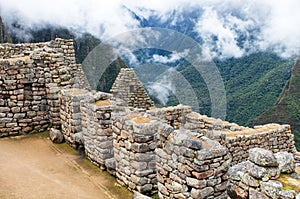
131,88
28,93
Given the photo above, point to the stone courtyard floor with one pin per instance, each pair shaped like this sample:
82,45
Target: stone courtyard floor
33,167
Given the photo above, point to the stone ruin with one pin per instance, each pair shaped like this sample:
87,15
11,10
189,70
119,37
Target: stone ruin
264,175
171,151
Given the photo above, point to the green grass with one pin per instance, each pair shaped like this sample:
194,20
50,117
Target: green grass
289,183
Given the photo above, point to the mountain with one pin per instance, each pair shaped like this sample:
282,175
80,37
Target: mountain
4,36
252,82
287,108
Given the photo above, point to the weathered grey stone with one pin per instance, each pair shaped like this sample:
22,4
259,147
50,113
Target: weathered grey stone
287,194
193,144
78,138
221,187
202,193
110,163
255,194
137,195
145,188
286,162
234,171
196,183
177,187
262,157
256,171
236,192
273,172
271,188
56,136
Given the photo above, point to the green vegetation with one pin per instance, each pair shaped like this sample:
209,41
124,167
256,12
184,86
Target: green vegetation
289,183
110,74
253,83
287,108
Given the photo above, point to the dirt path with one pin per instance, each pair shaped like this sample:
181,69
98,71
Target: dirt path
33,167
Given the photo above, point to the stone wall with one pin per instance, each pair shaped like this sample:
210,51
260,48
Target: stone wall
273,137
173,116
31,77
53,92
134,146
97,131
8,50
23,97
238,139
210,127
129,88
70,113
39,87
190,165
78,79
261,176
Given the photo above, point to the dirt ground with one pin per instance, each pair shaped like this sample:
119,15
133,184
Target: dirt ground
33,167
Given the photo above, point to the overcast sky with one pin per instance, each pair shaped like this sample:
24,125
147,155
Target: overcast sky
276,22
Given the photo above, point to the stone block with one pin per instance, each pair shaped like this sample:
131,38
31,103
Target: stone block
56,136
199,184
255,194
236,192
286,162
137,195
271,188
262,157
202,193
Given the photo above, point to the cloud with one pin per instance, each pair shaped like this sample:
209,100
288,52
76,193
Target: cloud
175,56
162,87
103,20
229,28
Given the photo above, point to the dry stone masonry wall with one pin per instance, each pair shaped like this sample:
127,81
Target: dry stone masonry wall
23,98
130,89
32,76
173,116
70,113
97,130
273,137
264,175
8,50
190,165
171,151
238,139
134,147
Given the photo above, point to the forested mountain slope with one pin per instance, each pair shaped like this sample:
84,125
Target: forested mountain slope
287,108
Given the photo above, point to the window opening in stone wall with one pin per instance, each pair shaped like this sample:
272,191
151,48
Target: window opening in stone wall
131,88
28,93
172,123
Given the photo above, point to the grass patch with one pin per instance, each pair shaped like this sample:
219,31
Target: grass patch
289,183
